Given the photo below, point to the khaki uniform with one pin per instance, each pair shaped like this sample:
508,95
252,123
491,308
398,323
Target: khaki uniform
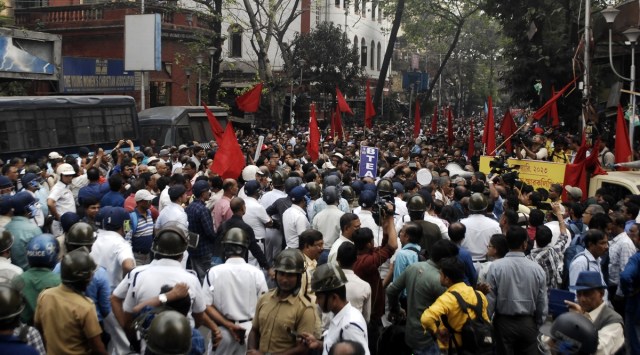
67,319
275,319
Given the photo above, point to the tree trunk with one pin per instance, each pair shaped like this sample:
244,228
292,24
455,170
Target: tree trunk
387,55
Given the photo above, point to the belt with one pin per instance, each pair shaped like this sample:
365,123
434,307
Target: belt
480,261
241,321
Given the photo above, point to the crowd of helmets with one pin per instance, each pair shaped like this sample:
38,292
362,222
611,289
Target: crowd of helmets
412,175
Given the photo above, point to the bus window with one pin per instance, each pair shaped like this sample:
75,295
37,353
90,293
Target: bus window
120,122
201,129
183,135
617,191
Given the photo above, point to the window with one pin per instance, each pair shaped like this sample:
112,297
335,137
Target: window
373,53
337,2
374,6
364,8
159,93
356,6
378,57
363,54
235,42
379,14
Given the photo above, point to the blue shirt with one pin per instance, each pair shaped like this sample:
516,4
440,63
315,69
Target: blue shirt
201,222
23,230
470,273
94,189
99,290
12,345
404,258
113,199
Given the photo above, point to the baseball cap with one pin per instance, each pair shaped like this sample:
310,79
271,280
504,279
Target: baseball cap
163,152
5,182
328,166
538,130
367,198
176,191
339,155
28,178
182,147
398,188
54,155
588,280
250,171
575,192
152,159
297,194
115,217
251,187
66,169
68,219
144,195
199,187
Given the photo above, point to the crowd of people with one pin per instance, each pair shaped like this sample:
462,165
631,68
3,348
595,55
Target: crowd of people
148,251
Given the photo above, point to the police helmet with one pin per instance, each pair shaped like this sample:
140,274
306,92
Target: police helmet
77,266
331,195
22,202
385,187
416,203
314,190
477,203
289,260
169,333
277,179
42,251
11,304
348,194
6,241
327,277
573,333
236,236
80,234
332,180
171,240
291,182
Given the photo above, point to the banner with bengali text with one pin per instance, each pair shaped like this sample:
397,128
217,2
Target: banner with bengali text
533,172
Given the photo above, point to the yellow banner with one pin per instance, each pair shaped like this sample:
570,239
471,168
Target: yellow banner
533,172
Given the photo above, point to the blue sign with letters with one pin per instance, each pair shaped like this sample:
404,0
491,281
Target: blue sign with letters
368,162
93,75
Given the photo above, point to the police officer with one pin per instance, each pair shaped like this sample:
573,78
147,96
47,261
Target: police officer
232,290
22,227
328,283
11,306
283,313
7,270
145,282
169,334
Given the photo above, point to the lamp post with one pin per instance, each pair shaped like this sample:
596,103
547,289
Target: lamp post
187,72
632,35
212,52
199,60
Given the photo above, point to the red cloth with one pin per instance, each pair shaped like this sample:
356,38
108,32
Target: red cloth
217,130
472,149
434,120
576,174
507,127
542,111
229,159
416,120
449,126
369,110
342,103
313,145
555,119
366,267
336,124
490,130
622,146
250,100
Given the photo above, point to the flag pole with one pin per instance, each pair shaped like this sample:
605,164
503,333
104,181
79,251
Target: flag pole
513,134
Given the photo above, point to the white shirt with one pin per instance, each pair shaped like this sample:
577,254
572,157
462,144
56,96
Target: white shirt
540,155
173,212
234,288
358,293
401,207
555,233
610,337
110,250
7,270
77,183
270,197
585,261
256,216
164,199
479,232
438,222
621,248
333,253
348,324
327,222
294,222
63,196
367,221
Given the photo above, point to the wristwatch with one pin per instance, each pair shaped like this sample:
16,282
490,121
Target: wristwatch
163,298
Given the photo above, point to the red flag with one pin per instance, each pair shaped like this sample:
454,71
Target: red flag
229,159
434,120
342,103
313,145
472,149
336,120
416,120
576,173
490,129
507,128
450,126
542,111
217,130
250,100
555,119
622,147
333,124
369,110
592,161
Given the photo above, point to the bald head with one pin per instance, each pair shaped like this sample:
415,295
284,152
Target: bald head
237,205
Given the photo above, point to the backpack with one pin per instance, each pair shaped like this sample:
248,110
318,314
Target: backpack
476,334
577,246
420,253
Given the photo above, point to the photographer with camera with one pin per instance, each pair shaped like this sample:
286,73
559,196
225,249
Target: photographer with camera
537,151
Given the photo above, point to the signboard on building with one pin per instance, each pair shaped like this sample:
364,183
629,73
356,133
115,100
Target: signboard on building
29,55
142,44
368,162
93,75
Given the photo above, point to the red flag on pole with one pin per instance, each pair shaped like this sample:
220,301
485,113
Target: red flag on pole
313,145
217,130
490,129
507,128
337,129
434,120
555,119
229,159
542,111
250,100
472,149
622,146
449,126
369,110
342,103
416,120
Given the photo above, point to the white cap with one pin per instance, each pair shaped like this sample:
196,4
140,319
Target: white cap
250,171
55,155
65,169
152,159
144,195
328,165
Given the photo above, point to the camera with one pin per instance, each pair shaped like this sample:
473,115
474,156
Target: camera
521,138
381,210
509,175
